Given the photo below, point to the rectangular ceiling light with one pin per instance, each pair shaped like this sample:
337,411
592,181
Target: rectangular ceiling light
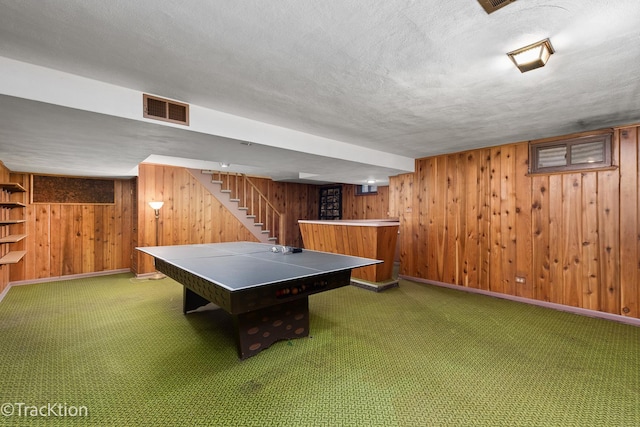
533,56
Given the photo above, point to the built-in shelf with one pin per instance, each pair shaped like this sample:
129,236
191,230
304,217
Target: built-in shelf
12,187
12,205
14,234
12,257
12,238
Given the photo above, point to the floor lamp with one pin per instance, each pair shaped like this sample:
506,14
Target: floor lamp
156,208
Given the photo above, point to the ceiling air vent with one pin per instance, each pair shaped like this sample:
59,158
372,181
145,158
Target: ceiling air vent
165,110
493,5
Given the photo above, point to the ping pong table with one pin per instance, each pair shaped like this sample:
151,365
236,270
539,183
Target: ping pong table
263,287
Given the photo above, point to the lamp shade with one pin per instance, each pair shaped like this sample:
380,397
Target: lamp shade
156,205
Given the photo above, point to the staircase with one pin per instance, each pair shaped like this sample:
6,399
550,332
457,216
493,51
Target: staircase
246,202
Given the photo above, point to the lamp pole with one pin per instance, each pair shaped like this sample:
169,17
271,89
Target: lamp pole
157,226
156,208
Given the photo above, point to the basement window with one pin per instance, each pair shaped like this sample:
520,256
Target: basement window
363,190
589,152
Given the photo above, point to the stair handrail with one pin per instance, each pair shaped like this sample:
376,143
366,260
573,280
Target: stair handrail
280,216
279,234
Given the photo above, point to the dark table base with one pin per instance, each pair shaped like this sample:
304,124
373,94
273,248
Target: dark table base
258,329
262,315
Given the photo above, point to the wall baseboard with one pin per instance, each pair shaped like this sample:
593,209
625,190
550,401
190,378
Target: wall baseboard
575,310
560,307
59,278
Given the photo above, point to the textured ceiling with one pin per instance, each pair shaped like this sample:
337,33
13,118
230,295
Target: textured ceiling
408,78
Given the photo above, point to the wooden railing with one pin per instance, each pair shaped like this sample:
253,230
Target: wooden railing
250,198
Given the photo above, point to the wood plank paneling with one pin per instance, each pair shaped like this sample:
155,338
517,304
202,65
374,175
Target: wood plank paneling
464,219
508,219
367,206
556,244
460,223
74,239
423,234
484,223
470,258
496,283
43,241
541,258
377,242
590,260
574,237
523,209
182,217
88,239
452,194
67,239
609,245
192,215
401,188
438,212
629,223
571,239
55,223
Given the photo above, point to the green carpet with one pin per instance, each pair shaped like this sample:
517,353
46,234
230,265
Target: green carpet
411,356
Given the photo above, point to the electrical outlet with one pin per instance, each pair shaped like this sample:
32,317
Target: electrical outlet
520,279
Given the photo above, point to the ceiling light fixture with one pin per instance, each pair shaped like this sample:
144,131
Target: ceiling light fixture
533,56
224,165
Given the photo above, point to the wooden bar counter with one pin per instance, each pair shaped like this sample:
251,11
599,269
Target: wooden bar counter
364,238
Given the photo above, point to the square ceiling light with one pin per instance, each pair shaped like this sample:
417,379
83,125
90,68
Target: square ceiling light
533,56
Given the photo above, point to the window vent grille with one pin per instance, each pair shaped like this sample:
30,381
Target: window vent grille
576,154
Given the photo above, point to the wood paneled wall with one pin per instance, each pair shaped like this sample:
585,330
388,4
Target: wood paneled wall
368,206
192,215
296,201
477,219
75,239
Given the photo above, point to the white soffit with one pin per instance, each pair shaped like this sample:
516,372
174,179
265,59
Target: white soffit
37,83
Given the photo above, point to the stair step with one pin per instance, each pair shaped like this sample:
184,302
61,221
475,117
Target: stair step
266,231
258,224
273,239
213,181
251,216
225,191
234,200
243,208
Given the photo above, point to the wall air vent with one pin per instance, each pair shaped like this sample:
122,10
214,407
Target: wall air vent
165,110
493,5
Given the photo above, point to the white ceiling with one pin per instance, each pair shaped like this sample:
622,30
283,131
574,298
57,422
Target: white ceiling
325,91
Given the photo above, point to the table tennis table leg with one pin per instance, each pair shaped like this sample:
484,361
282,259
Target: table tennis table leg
257,330
191,300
